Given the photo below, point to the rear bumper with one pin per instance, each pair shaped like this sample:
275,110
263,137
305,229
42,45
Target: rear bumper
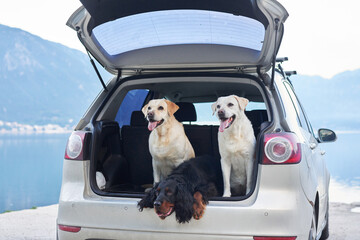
124,221
271,211
92,233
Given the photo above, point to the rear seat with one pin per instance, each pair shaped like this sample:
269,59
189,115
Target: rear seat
257,117
136,149
203,138
110,160
136,146
198,135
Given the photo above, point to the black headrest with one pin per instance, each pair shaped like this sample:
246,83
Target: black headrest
186,112
257,117
137,119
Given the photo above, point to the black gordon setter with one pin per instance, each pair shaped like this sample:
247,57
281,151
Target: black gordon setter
187,190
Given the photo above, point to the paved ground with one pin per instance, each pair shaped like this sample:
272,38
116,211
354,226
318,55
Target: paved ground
32,224
344,224
39,224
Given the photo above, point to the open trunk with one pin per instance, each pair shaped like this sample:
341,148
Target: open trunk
138,35
120,147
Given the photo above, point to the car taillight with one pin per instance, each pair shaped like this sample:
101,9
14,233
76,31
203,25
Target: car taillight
274,238
281,148
75,146
69,228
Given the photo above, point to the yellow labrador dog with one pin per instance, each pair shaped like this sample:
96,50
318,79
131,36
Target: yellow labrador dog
236,144
168,144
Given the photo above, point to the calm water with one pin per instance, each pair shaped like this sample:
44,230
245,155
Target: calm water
342,158
31,168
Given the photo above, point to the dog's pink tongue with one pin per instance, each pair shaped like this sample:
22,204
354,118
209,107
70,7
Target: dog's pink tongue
152,125
224,124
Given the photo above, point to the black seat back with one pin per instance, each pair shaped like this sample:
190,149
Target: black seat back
135,140
109,158
198,135
257,117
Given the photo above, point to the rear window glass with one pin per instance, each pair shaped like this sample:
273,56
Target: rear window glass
205,116
173,27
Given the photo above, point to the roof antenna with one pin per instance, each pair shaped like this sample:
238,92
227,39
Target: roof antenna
274,55
91,60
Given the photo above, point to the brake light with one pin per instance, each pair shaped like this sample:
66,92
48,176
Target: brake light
281,148
274,238
75,146
69,228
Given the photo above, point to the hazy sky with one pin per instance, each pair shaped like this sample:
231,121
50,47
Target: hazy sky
321,36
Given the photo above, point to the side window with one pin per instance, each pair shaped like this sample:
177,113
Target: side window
299,111
133,101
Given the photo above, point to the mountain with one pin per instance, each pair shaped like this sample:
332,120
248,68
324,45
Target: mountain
43,82
46,83
332,103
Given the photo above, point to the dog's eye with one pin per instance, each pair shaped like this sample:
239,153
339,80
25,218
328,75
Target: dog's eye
230,105
161,108
149,108
218,106
169,193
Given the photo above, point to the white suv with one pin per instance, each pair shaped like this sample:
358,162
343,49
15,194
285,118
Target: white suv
191,52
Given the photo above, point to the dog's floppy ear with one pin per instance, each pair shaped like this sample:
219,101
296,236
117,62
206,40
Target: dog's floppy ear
171,107
144,109
213,107
242,102
184,204
148,200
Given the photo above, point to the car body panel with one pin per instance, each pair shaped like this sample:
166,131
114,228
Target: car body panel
314,174
277,206
283,198
174,55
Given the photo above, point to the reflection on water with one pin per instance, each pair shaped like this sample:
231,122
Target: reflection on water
342,159
31,169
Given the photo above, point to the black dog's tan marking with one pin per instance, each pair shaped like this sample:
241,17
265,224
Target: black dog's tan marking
186,190
199,206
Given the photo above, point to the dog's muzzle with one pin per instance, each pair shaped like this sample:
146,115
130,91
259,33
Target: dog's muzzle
164,209
225,122
152,123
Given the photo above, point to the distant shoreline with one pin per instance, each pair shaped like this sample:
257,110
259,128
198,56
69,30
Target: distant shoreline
15,128
347,131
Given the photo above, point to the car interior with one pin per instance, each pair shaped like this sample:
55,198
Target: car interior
122,152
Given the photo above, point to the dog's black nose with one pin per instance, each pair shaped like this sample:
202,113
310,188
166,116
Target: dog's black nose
221,114
150,114
157,203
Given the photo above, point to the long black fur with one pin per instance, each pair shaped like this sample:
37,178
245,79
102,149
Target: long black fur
202,174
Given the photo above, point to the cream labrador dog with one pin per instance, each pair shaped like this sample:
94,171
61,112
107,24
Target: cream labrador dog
236,144
168,144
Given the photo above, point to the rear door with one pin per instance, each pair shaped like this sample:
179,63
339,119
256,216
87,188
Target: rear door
143,35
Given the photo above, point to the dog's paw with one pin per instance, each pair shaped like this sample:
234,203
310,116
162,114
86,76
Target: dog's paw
199,206
147,190
198,214
100,180
227,194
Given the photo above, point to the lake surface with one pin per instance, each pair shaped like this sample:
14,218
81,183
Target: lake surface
31,169
342,158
